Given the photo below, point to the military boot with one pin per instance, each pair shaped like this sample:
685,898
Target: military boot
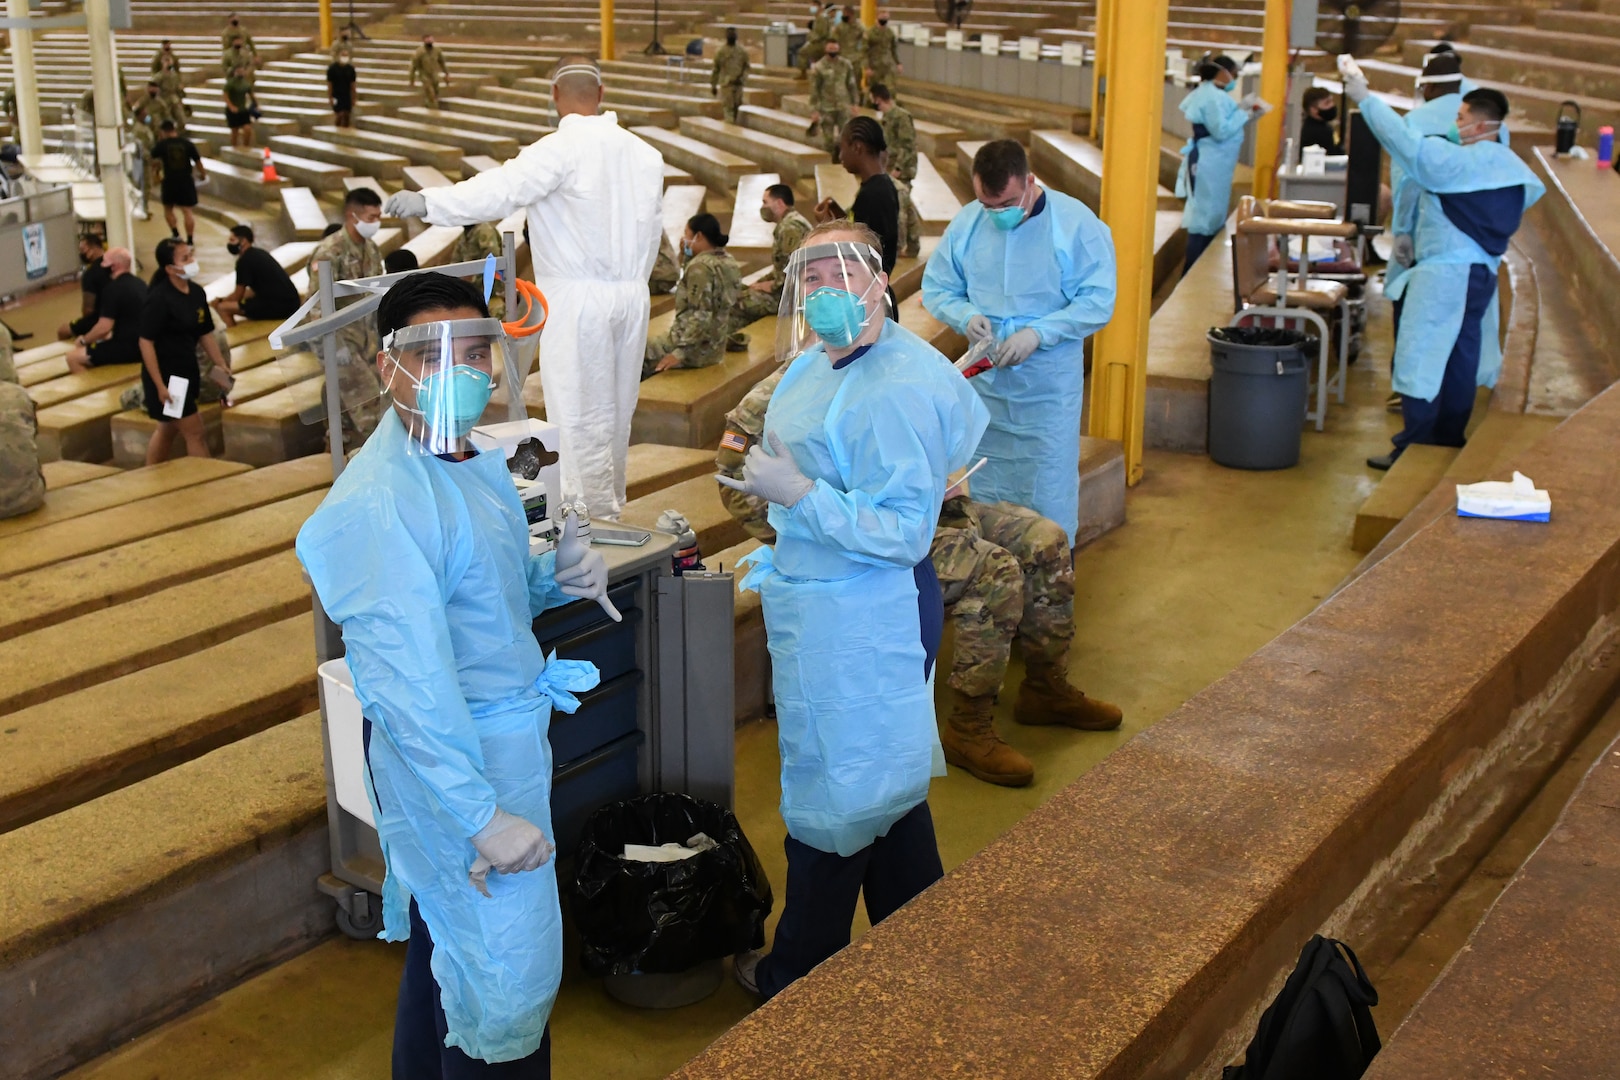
1047,698
971,743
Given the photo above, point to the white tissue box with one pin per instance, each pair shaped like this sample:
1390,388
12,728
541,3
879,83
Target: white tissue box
1516,500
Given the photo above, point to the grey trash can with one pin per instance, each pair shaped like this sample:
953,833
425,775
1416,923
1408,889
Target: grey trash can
1257,396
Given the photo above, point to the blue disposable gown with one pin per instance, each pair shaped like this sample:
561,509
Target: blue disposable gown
425,564
1208,190
1054,274
854,709
1435,290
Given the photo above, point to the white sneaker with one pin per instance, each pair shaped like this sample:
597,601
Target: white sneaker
743,966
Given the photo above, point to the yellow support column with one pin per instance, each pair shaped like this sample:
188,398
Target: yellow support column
868,13
1274,88
326,25
610,50
1135,105
1103,26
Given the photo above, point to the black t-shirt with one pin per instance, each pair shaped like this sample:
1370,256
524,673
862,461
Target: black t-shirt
877,206
1314,132
177,155
94,279
124,301
173,321
341,78
258,270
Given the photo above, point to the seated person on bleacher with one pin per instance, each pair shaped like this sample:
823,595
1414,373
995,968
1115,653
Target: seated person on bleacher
703,302
115,337
263,288
94,276
762,299
22,483
1316,126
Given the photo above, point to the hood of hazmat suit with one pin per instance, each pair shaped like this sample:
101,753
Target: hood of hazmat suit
424,562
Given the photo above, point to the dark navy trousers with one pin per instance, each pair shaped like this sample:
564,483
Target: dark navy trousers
1444,421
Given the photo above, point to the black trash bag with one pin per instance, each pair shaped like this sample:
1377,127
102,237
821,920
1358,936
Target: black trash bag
1264,337
662,918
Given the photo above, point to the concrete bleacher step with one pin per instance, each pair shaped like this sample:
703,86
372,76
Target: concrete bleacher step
748,230
358,160
498,146
693,103
652,467
1531,104
434,244
1589,23
970,122
321,176
160,513
681,204
154,629
68,387
1073,165
698,499
537,103
283,425
422,177
936,204
1039,114
792,160
1584,47
1415,473
118,489
476,125
420,151
66,474
239,185
716,168
521,116
179,857
66,590
301,215
1528,69
696,73
107,736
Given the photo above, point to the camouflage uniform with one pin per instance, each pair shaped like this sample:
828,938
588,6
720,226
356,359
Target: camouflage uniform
833,91
1005,571
172,92
236,56
360,389
882,56
342,45
816,44
703,303
22,483
479,242
726,78
900,133
753,304
8,363
665,274
434,69
237,31
852,43
157,60
909,239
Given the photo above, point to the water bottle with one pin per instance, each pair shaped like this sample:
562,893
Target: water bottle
1605,147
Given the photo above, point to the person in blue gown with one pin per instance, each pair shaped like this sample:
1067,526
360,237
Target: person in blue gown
1211,156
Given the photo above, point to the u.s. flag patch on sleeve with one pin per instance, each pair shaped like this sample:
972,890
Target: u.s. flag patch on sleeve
731,440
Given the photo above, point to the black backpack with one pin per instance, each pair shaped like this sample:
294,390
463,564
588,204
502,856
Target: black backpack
1320,1027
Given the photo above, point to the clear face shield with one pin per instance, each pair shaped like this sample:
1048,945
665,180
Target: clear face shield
445,378
834,293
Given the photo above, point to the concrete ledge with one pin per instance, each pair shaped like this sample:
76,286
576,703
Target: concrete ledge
1402,488
131,432
1102,488
118,489
697,498
1136,924
64,474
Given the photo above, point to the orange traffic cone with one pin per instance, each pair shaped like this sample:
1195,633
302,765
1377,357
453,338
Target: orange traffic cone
270,176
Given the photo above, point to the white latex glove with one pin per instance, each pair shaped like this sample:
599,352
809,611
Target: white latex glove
1402,254
581,571
405,204
1018,348
510,845
978,328
771,475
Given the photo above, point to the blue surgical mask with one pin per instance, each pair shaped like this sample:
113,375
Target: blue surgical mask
835,315
457,396
1006,218
1231,87
686,249
1454,135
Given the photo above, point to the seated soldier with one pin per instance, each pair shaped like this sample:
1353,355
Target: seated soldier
264,290
762,299
665,273
115,336
1005,572
478,242
703,302
22,482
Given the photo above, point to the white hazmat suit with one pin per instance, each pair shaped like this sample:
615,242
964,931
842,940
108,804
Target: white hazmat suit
594,195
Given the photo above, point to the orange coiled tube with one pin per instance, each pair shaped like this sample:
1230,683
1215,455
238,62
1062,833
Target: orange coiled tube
530,295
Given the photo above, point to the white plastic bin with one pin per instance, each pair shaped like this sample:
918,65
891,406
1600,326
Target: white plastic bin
345,732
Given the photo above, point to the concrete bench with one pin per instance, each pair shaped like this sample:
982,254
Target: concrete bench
1040,114
539,104
154,629
1539,71
792,160
1073,165
500,146
614,97
302,214
358,160
748,229
433,245
68,387
681,203
652,467
51,350
160,513
476,124
422,177
1178,353
697,498
697,72
118,489
833,182
473,164
322,176
716,168
87,743
688,406
1399,491
66,474
935,202
198,844
792,118
273,428
66,590
236,184
438,154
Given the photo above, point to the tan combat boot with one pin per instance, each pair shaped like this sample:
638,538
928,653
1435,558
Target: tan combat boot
970,741
1047,698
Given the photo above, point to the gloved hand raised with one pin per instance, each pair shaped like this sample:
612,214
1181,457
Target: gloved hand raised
1017,348
508,844
581,571
405,204
771,475
1355,81
978,328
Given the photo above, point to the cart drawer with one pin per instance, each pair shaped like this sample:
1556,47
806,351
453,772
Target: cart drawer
605,714
558,623
580,787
